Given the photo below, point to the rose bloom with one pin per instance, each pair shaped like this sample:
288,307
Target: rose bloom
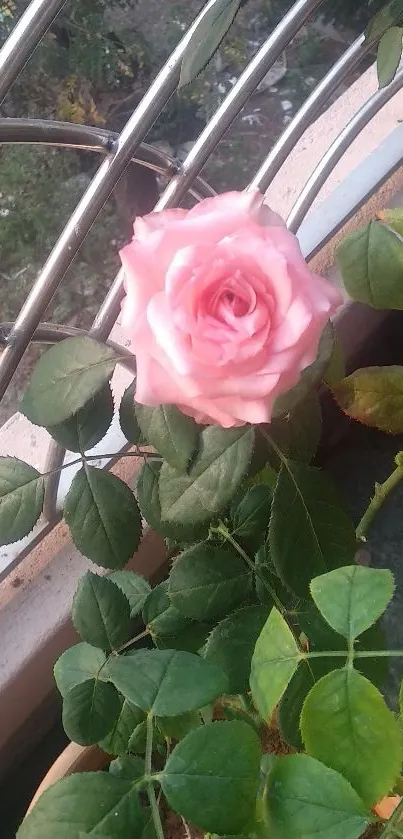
222,309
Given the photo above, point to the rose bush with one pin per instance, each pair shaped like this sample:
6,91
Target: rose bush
222,309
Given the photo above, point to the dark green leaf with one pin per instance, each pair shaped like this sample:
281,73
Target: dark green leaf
207,38
191,639
177,728
94,803
22,490
127,722
274,662
310,533
298,433
351,599
170,432
392,217
127,416
77,665
134,586
230,645
212,480
160,616
306,799
65,378
371,263
104,519
290,705
336,369
311,377
166,683
88,426
373,396
127,767
251,515
207,581
389,54
212,776
391,14
101,612
345,723
149,503
90,710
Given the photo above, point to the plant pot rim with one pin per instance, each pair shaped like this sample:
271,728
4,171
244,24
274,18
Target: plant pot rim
74,758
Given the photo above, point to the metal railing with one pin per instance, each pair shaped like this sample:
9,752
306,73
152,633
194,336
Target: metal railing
119,150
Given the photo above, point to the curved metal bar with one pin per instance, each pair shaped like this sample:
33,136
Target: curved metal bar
24,39
307,112
53,333
88,138
338,148
90,205
234,102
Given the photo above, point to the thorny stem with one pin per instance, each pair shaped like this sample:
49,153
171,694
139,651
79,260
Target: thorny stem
148,771
133,641
356,654
223,530
380,495
85,458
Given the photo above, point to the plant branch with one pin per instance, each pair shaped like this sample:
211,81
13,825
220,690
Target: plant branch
357,654
223,531
87,458
382,491
148,772
133,641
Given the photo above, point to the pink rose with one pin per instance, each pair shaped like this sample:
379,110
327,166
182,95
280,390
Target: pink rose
222,309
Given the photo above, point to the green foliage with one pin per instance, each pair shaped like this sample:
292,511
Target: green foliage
22,490
90,710
103,517
231,643
306,798
127,416
160,616
274,662
77,665
134,587
319,532
121,737
207,581
88,426
69,375
371,264
351,599
101,613
368,754
170,432
207,37
373,396
389,54
212,776
298,434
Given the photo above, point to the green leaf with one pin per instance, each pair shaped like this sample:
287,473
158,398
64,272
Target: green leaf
207,38
212,480
77,665
373,396
88,426
298,433
230,645
90,710
371,263
177,728
166,683
104,519
127,416
170,432
251,515
311,377
310,533
135,587
101,613
160,616
345,723
22,490
126,723
351,599
392,217
127,767
305,798
191,639
389,54
391,14
94,803
337,367
212,776
65,378
150,506
274,662
207,581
